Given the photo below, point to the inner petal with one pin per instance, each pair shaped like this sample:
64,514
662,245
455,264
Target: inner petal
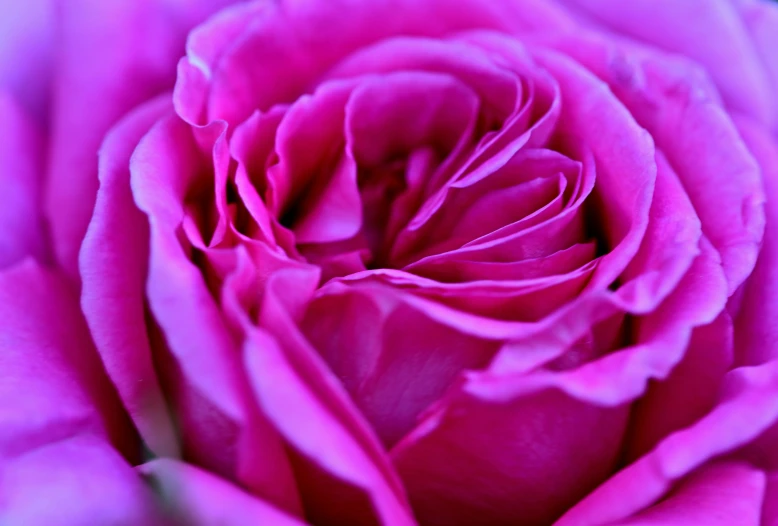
398,127
389,116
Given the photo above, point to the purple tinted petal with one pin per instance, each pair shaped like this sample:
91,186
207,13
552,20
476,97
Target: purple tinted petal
54,385
102,59
682,27
718,494
22,162
26,54
113,262
671,98
199,498
756,335
221,428
746,409
75,481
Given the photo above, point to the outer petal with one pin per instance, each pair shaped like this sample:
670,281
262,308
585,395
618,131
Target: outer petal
198,498
27,53
221,428
295,42
756,333
102,59
53,385
76,481
683,27
760,18
113,263
746,409
21,176
770,508
675,103
716,495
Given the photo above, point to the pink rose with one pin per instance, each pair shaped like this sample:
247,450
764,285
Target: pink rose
437,262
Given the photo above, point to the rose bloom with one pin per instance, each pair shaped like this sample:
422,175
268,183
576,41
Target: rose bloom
354,262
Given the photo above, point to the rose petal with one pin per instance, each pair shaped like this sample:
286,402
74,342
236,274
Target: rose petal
671,99
26,54
688,393
101,58
682,27
21,176
457,474
591,114
199,498
54,386
560,262
760,19
393,360
221,428
77,480
756,336
309,408
581,413
286,44
718,494
770,508
113,263
746,408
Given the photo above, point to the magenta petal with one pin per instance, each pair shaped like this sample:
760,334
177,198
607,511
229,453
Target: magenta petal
22,162
54,385
309,133
541,454
770,508
75,481
682,27
113,262
307,424
102,59
316,417
672,99
591,114
760,19
221,427
392,359
26,54
756,333
690,390
287,43
720,494
199,498
561,262
397,113
745,410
